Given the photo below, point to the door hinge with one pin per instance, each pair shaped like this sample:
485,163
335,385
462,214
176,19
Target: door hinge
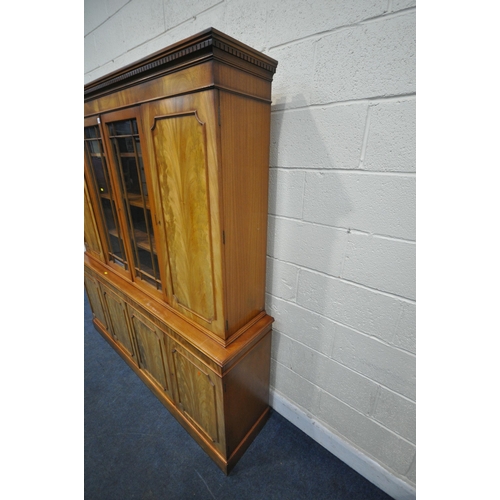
218,113
223,237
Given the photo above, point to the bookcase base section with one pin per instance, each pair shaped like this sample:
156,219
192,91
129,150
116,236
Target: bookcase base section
219,395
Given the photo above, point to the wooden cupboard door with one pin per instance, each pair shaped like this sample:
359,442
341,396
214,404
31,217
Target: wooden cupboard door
94,296
197,392
151,354
117,314
184,160
91,235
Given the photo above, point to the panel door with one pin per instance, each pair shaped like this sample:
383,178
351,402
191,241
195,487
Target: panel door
197,392
151,354
117,314
94,296
182,137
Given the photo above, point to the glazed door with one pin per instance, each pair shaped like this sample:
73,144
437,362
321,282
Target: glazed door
181,140
129,169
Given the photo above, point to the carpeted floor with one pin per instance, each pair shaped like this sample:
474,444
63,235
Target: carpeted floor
134,448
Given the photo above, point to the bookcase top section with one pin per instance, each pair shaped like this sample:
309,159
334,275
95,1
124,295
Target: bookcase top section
208,44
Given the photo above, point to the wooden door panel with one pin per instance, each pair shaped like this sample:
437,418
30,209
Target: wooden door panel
181,159
151,351
94,296
118,321
182,151
196,393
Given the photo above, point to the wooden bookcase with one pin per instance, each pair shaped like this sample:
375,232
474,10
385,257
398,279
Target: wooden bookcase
176,194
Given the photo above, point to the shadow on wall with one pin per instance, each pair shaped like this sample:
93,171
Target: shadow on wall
307,207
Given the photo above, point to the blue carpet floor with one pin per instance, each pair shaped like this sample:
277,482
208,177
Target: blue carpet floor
134,448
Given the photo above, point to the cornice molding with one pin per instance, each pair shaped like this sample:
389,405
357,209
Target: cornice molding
200,45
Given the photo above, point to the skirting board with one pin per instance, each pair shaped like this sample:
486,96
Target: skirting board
364,465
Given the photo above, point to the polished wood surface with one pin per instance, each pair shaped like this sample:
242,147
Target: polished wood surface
185,140
183,155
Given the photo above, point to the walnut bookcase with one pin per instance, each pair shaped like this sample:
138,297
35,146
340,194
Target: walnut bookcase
176,193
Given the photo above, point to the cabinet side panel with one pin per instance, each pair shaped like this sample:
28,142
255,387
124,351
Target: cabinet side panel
247,394
245,129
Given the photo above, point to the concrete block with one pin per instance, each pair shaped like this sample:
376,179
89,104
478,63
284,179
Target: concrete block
281,279
109,41
246,21
91,57
114,5
178,11
402,4
389,366
412,472
292,82
301,325
365,310
383,445
95,12
141,20
396,413
321,248
346,385
384,264
374,203
286,192
295,388
391,144
369,60
296,19
329,137
405,333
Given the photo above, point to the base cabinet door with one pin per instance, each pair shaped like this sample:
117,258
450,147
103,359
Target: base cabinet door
118,324
197,393
94,296
151,355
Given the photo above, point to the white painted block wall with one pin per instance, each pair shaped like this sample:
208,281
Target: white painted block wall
341,239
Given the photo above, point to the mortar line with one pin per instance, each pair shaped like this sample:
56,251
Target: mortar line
155,37
336,322
341,401
346,229
109,17
365,137
350,368
370,20
347,171
362,100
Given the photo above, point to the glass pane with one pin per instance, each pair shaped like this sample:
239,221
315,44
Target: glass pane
100,183
128,159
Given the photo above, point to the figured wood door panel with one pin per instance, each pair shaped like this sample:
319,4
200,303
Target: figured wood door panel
94,296
150,350
182,149
181,157
196,392
117,314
